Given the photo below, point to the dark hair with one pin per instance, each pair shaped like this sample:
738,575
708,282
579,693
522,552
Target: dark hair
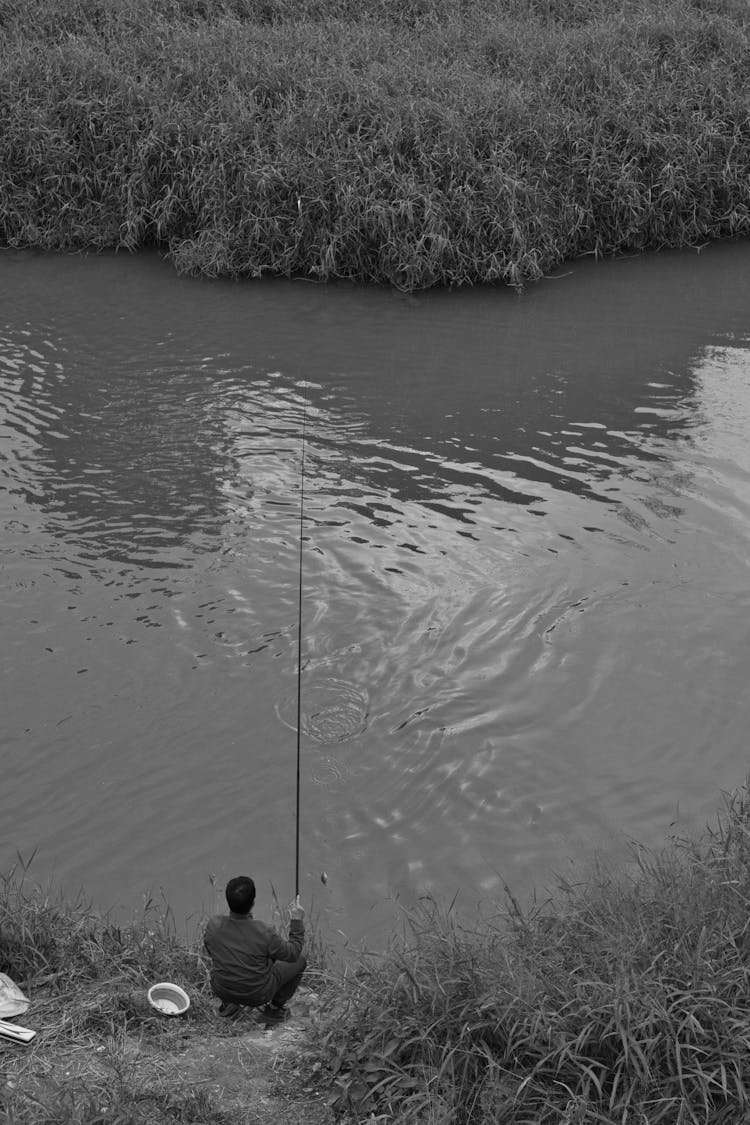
240,894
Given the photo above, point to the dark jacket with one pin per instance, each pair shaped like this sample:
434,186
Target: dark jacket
242,951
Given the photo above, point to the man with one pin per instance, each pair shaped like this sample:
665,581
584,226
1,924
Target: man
251,964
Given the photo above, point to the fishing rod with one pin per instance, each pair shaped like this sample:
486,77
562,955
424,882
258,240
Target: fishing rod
299,644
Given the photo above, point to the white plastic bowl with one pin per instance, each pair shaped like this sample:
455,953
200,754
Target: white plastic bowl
169,999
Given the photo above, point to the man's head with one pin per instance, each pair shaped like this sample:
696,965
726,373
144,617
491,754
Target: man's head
240,894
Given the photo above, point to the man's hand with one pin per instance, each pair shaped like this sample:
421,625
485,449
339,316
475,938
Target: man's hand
296,911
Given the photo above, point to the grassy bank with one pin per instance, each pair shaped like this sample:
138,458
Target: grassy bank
415,142
625,999
103,1056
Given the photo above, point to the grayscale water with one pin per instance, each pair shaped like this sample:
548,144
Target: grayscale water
526,603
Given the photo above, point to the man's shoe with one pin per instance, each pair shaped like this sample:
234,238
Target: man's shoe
275,1013
228,1010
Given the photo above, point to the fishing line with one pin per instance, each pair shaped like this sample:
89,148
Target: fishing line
299,644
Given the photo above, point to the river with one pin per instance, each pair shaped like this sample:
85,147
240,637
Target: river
526,579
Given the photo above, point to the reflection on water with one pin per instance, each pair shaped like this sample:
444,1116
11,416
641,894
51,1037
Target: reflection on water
124,463
525,573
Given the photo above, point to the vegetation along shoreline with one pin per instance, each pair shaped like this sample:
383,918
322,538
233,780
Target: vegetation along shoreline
623,998
409,142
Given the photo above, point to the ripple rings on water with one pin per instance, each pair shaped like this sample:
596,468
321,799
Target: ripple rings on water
333,710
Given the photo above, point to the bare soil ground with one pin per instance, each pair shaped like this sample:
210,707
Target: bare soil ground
248,1071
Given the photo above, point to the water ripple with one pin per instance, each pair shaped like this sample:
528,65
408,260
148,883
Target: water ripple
333,710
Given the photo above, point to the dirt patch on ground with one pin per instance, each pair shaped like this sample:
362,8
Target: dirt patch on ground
255,1069
242,1071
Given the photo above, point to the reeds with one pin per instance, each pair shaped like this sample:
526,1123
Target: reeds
624,999
415,142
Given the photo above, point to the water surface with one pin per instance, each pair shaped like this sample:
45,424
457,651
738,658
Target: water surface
525,576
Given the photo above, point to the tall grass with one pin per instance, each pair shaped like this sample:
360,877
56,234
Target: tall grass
625,999
46,937
416,142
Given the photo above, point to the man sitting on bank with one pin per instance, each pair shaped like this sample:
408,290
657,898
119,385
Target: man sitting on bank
252,965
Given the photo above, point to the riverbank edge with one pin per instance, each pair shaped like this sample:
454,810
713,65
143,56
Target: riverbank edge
102,1054
623,997
418,143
